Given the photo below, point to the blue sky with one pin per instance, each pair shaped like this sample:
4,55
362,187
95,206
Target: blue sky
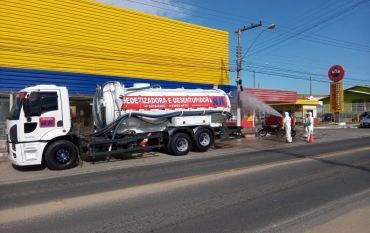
309,37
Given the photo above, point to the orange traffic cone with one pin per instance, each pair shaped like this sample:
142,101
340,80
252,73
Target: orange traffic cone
145,141
312,140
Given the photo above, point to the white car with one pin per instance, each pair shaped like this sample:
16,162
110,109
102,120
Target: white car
365,122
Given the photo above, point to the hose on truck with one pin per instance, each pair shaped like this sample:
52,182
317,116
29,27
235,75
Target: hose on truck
114,125
96,111
117,122
99,91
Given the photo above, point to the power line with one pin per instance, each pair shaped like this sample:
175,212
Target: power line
307,73
325,20
289,29
342,43
315,62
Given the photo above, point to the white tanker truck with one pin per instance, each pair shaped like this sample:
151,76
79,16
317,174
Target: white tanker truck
125,120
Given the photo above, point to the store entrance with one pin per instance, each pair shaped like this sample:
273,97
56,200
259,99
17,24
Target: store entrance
81,112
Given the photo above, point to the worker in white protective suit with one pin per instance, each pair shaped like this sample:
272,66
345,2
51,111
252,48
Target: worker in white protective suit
287,123
309,125
306,132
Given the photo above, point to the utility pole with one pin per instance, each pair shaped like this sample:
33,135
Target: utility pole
254,74
311,81
254,79
238,70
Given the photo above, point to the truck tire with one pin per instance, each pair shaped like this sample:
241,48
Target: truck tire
61,155
203,139
180,144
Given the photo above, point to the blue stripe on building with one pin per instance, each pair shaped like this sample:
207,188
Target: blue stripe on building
15,79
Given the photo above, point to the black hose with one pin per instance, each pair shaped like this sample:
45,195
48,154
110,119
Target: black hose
117,122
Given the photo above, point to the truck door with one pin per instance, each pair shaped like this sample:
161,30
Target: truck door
42,114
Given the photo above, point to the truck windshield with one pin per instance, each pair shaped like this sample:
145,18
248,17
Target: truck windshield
17,106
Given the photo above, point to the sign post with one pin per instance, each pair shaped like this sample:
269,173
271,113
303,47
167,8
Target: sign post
336,74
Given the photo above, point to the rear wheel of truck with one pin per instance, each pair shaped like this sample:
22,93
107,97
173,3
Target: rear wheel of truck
61,155
179,144
203,140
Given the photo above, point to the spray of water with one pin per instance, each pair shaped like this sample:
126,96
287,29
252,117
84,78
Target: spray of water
251,102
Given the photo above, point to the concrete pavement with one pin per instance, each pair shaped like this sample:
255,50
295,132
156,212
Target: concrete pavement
249,133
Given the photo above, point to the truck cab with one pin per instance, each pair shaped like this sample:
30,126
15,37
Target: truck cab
40,115
178,120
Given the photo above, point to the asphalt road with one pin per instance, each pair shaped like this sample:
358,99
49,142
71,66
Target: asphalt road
290,188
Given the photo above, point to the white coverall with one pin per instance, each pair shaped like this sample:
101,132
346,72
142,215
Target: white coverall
309,125
288,127
306,132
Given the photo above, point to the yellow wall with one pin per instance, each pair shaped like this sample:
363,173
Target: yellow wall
90,37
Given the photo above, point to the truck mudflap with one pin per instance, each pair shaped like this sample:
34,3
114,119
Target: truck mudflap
78,143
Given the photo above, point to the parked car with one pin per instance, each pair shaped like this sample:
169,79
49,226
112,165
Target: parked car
365,122
327,117
361,116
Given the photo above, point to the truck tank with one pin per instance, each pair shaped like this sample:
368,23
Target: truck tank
144,108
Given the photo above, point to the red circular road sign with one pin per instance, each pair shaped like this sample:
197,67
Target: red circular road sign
336,73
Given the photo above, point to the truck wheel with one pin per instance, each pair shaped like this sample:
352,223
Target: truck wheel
262,132
179,144
203,140
61,155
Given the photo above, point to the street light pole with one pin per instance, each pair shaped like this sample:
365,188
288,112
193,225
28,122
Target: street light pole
261,82
311,82
238,81
239,65
254,74
254,79
238,70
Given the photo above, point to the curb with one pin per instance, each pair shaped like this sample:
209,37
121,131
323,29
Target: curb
251,135
336,127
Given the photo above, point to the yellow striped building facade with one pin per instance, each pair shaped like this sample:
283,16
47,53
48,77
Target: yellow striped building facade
80,43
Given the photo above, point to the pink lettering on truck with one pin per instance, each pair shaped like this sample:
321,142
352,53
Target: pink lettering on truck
165,102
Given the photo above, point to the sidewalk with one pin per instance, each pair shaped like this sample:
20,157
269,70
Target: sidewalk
250,133
3,154
3,150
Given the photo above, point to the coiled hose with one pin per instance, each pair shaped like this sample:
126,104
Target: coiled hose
118,121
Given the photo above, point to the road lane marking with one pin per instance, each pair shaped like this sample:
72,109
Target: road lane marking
59,205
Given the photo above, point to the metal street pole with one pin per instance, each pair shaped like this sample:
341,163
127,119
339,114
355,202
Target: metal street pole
254,74
238,70
254,79
238,80
261,82
311,82
239,66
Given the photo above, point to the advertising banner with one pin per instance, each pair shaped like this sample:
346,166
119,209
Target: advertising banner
336,97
